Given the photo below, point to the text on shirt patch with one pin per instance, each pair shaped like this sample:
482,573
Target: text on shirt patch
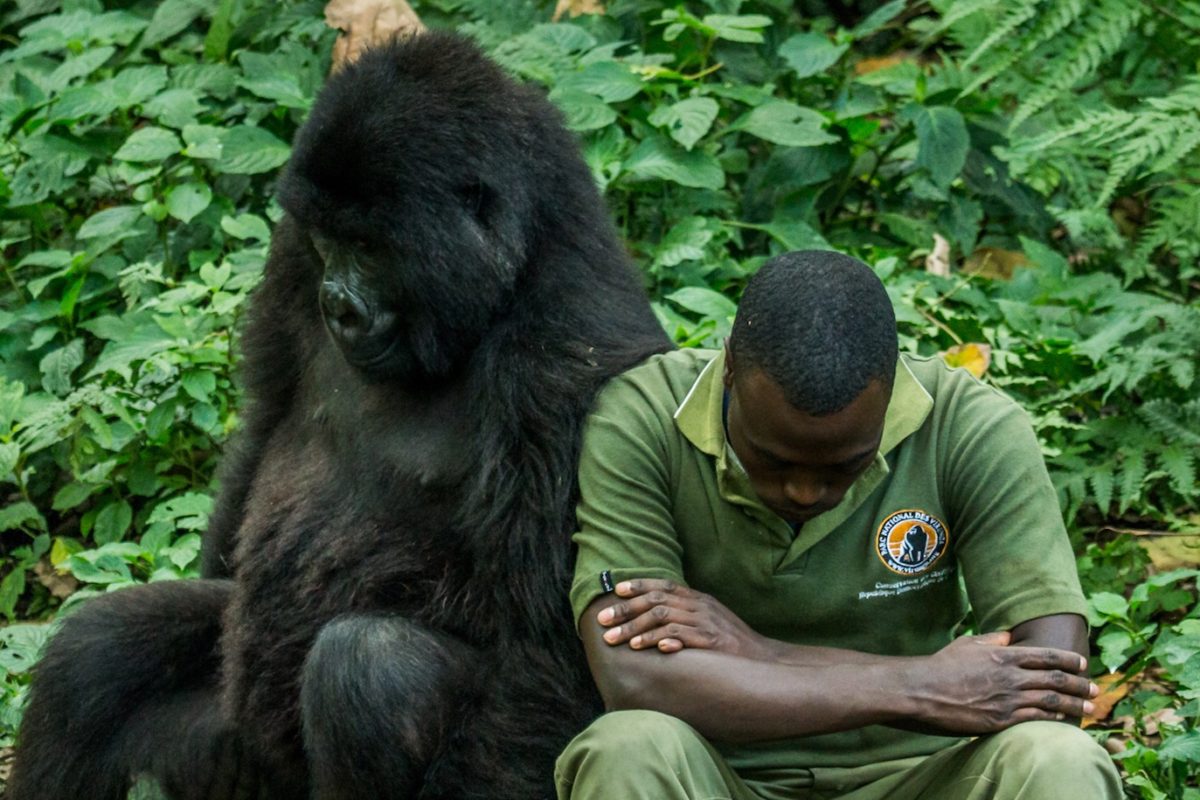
910,542
903,587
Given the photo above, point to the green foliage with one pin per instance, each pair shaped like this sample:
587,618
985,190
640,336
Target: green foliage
141,140
136,158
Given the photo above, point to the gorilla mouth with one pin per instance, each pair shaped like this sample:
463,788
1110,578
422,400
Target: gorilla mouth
370,354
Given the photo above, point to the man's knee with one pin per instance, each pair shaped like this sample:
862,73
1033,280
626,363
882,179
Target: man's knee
642,743
1054,754
632,737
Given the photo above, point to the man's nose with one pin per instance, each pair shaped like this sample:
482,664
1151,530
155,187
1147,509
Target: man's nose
804,490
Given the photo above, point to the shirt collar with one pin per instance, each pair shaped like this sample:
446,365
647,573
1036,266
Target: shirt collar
699,415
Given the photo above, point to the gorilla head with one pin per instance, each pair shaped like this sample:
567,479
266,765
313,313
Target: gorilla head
368,172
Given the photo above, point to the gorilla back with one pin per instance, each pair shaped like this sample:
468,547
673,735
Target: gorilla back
384,609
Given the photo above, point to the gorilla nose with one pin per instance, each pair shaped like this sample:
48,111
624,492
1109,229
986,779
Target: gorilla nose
346,313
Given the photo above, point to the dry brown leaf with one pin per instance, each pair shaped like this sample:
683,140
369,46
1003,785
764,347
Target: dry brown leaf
1164,716
1112,688
938,260
363,23
1168,552
61,585
869,65
974,357
577,7
992,262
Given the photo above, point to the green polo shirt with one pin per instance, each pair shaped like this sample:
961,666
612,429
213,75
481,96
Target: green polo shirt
956,509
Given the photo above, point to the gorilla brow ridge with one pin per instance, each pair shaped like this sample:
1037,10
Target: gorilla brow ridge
820,325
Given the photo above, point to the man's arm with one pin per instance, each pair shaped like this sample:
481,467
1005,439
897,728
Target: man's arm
734,685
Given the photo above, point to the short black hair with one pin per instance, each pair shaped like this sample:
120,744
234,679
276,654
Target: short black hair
820,325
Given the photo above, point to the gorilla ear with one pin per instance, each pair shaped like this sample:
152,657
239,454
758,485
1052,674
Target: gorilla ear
478,199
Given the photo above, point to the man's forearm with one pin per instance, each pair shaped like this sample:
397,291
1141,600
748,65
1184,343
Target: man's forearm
730,698
732,684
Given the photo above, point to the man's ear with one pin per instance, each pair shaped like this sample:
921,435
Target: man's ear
727,376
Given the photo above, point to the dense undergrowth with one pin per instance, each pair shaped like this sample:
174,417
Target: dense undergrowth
1024,175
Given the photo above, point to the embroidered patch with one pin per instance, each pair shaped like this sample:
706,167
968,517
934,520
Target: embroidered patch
909,542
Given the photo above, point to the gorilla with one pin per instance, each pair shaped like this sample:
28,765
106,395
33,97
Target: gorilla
383,609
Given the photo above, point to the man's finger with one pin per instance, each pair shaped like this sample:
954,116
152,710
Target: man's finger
1056,702
1059,681
655,617
624,610
1046,658
683,631
639,586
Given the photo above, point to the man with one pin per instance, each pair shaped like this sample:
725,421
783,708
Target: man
776,545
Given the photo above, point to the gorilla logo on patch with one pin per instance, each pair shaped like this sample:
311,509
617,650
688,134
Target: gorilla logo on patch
910,542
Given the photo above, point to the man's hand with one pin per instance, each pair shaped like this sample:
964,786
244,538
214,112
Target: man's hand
663,614
981,684
974,685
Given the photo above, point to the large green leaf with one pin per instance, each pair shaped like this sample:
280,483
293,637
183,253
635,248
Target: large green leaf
109,221
611,81
149,144
786,123
247,150
175,108
656,157
738,28
811,53
704,301
186,201
688,120
943,142
584,111
171,17
268,76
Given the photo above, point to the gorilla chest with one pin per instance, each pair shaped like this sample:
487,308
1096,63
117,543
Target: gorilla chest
353,502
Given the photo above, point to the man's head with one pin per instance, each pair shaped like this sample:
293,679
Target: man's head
810,366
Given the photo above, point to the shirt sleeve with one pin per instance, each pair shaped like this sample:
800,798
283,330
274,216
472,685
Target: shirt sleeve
625,524
1016,559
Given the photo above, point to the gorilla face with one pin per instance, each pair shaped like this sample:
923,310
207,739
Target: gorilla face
397,177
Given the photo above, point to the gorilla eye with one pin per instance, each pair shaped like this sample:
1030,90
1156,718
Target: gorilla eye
477,199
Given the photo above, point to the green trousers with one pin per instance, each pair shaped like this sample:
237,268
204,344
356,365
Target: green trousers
645,755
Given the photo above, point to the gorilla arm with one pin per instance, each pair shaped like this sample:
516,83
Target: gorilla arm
770,690
272,358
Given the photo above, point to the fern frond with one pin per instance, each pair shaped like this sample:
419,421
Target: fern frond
1150,137
1133,473
960,10
1051,21
1018,13
1096,125
1180,466
1183,372
1170,420
1188,14
1098,36
1102,482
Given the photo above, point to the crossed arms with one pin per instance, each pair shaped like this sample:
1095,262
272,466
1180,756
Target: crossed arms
658,645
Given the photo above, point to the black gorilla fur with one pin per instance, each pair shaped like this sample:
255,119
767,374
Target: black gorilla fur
386,569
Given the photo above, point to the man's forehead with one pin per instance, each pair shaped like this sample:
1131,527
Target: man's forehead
773,424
